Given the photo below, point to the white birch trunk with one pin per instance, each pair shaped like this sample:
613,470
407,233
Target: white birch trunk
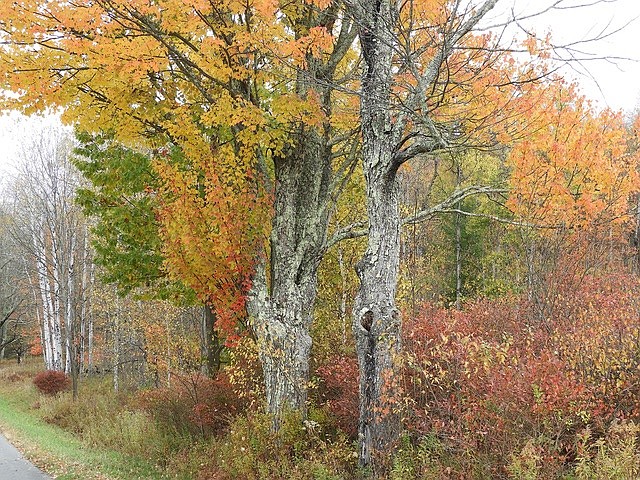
90,346
90,325
68,286
47,324
56,338
56,320
343,295
51,360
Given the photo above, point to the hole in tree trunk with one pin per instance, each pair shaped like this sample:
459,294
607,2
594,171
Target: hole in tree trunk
367,320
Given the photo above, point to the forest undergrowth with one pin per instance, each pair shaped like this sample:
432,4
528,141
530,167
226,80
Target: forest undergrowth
488,392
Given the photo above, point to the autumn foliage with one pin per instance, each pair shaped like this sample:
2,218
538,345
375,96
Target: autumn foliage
339,391
52,382
486,380
573,168
193,404
213,217
237,141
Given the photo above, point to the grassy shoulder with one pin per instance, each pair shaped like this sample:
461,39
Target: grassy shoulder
53,449
195,430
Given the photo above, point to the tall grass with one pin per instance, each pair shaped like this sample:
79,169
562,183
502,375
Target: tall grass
26,417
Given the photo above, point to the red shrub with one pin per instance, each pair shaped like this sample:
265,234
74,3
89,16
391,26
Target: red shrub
339,392
51,382
491,378
194,404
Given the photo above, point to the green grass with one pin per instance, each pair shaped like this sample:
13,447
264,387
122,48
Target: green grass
53,449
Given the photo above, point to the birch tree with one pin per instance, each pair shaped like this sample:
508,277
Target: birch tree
53,235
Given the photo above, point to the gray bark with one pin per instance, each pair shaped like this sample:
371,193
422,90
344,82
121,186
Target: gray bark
307,185
282,311
377,325
376,320
282,331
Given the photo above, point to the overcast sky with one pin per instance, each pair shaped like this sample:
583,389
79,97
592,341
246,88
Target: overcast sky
612,77
613,82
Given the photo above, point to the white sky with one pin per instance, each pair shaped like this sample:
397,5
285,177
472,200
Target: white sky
16,130
614,82
612,77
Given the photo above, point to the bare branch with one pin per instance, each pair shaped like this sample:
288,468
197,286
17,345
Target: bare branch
360,229
509,221
428,76
355,230
451,201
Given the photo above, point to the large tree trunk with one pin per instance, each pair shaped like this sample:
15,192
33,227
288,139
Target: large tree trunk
376,320
282,331
281,309
377,327
282,296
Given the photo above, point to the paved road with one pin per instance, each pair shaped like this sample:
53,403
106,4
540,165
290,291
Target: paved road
14,467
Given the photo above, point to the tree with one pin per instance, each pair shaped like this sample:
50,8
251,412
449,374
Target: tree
144,342
429,85
12,295
206,208
123,203
575,175
52,234
393,134
125,230
254,78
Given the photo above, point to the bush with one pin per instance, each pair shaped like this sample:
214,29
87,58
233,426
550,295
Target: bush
614,456
298,451
338,392
508,393
194,405
51,382
418,458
